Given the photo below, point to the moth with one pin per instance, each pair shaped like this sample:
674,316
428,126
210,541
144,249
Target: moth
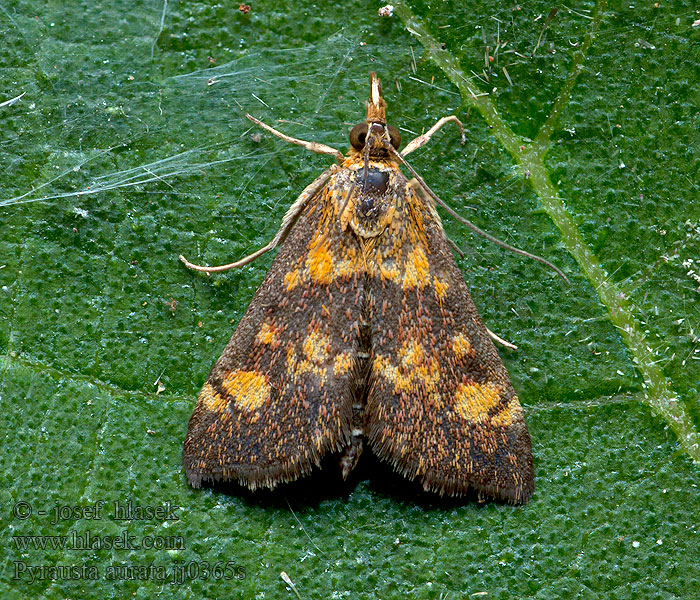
363,333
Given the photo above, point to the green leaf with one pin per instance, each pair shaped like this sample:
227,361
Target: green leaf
129,146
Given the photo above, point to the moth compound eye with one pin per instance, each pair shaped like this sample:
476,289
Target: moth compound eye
395,136
358,136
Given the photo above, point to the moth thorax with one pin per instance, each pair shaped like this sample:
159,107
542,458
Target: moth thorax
374,201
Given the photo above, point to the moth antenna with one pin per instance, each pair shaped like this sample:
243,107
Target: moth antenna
366,159
347,201
234,265
368,148
471,226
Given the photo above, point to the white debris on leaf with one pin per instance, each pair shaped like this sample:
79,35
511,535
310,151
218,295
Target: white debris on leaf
386,11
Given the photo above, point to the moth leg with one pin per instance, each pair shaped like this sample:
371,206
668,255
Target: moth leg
421,140
313,146
290,218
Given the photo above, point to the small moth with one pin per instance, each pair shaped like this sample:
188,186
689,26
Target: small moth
362,333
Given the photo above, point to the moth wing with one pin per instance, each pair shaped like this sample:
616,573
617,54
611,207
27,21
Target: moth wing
441,408
279,398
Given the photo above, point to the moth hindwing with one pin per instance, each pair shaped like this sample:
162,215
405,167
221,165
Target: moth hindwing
362,332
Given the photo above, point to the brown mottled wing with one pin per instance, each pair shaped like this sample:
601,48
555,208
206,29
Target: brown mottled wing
279,397
441,408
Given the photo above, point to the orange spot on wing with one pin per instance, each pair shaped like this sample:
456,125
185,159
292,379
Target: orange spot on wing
291,360
320,263
211,400
391,273
343,363
411,354
267,334
509,413
316,347
461,346
414,369
440,289
292,279
347,264
249,390
474,400
416,269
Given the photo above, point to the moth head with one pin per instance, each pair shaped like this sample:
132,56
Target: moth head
359,133
374,128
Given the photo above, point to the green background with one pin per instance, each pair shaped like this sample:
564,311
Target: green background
129,146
